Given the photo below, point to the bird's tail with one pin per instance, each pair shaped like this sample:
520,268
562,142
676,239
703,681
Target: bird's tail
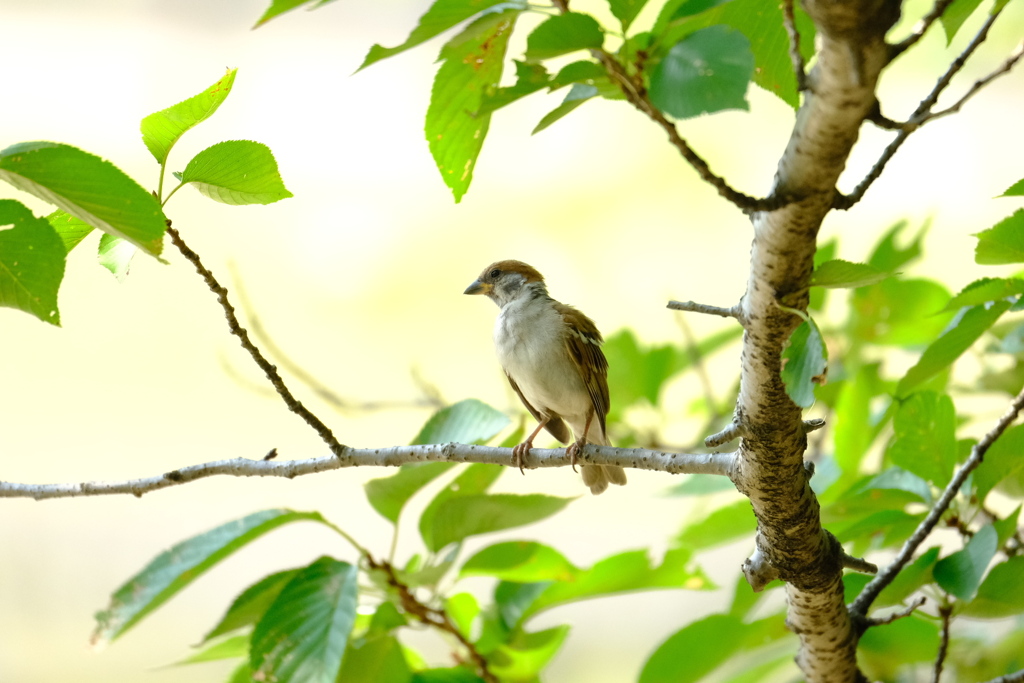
597,477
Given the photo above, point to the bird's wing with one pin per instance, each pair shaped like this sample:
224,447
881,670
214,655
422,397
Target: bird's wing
583,344
555,426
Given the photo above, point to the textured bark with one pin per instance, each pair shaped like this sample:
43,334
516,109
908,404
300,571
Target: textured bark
791,543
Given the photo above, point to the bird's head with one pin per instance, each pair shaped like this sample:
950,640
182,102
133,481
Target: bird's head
504,281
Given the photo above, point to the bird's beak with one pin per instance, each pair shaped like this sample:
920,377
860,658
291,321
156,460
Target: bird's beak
479,288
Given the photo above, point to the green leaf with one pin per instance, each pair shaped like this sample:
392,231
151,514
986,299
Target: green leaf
583,71
468,421
512,601
564,33
623,573
279,7
1007,526
1001,594
941,353
1015,190
578,94
116,255
470,515
529,79
1003,459
238,646
236,172
701,485
887,257
805,361
451,675
162,129
703,73
925,437
986,290
626,10
901,480
724,525
853,433
473,480
695,650
960,573
375,660
87,187
70,229
955,16
303,635
840,274
32,257
520,561
900,312
441,16
463,609
472,68
824,252
174,569
915,575
1003,242
884,649
251,604
388,495
526,654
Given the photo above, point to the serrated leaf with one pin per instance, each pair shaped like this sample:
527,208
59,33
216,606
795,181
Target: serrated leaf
1003,242
564,33
1003,459
460,517
626,10
1015,190
303,635
174,569
960,573
279,7
472,68
900,312
473,480
578,94
941,353
955,15
162,129
705,72
468,421
520,561
236,172
115,254
986,290
71,230
901,480
837,273
806,361
32,257
1001,594
231,648
251,604
529,79
388,495
87,187
442,15
925,436
723,525
380,659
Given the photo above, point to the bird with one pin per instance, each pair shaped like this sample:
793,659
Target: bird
551,355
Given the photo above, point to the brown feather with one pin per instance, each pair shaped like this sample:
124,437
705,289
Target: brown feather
583,344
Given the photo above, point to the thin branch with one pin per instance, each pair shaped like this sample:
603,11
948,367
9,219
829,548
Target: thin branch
921,27
1015,677
1004,68
733,431
430,616
857,564
694,307
813,425
268,368
867,596
945,611
799,69
638,458
898,614
921,114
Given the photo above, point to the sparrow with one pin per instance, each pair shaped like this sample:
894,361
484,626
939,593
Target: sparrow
551,355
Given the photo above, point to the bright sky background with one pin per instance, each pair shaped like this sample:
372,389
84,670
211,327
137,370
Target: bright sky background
359,277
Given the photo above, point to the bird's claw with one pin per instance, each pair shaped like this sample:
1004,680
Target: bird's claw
519,453
573,451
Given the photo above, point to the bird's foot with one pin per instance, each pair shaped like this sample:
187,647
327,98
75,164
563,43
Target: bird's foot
519,453
574,450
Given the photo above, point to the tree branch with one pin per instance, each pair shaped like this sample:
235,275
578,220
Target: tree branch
799,70
921,114
898,614
945,611
862,603
1015,677
236,329
921,27
694,307
637,458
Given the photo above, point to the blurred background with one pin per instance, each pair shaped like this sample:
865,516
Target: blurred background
359,278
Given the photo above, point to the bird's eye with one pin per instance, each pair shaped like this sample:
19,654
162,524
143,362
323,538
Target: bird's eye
495,273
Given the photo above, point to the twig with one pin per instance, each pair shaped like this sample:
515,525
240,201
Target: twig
236,329
638,458
1015,677
734,431
945,611
813,425
898,614
857,564
920,28
694,307
799,69
867,596
921,115
430,616
1005,67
